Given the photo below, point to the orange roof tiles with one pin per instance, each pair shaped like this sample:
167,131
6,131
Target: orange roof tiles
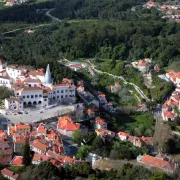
152,161
36,72
20,140
123,134
65,122
169,114
40,157
37,144
100,121
41,128
17,161
22,126
142,63
9,173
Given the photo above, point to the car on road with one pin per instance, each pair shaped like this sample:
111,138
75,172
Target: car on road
26,112
20,113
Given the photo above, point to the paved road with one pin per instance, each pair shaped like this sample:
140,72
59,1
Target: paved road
140,92
30,27
52,17
35,115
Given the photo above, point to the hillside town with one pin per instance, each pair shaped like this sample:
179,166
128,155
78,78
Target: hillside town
89,90
34,87
171,10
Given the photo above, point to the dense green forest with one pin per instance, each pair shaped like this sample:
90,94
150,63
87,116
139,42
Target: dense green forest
125,40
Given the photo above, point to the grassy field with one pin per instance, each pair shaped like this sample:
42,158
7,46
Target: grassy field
140,124
16,168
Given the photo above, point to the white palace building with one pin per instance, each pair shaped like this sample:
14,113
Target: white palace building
33,86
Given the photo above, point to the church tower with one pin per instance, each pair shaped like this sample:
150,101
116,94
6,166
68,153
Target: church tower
47,77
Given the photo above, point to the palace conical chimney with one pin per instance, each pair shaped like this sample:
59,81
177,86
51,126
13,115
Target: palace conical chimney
48,78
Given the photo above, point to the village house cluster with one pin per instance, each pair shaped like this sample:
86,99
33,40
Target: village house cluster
33,87
168,108
171,9
46,144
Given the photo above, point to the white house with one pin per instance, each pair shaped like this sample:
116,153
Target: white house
38,147
14,71
100,123
3,64
9,174
122,136
32,95
15,104
5,81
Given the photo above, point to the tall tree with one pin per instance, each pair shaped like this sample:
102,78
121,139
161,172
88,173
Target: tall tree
26,153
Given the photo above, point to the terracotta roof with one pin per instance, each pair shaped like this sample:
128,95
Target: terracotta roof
37,144
38,72
29,80
142,63
55,162
40,157
30,89
65,122
169,114
123,134
100,121
9,173
41,128
17,161
20,140
22,126
152,161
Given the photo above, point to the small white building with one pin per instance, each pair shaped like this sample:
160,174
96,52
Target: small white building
15,71
32,95
3,64
14,104
100,123
5,81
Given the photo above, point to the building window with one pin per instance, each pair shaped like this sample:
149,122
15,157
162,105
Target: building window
62,91
58,91
28,96
19,102
36,96
17,94
23,97
54,92
61,96
40,95
66,90
66,96
32,96
45,99
57,96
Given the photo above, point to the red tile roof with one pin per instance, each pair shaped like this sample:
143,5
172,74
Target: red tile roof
169,114
17,161
41,128
123,134
37,144
22,126
142,63
66,123
40,157
100,121
9,173
152,161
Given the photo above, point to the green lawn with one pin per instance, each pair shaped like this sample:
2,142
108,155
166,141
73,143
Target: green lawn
140,124
16,168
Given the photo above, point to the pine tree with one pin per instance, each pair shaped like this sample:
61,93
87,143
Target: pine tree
26,153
